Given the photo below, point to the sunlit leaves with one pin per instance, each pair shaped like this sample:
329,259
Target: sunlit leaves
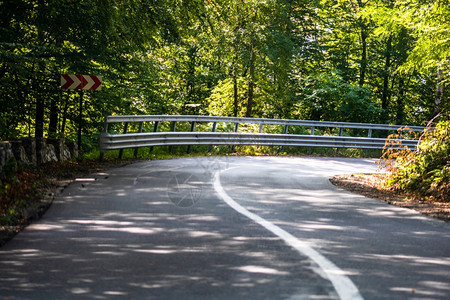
426,170
428,21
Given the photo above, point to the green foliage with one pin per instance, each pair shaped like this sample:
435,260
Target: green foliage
426,170
9,171
39,40
18,190
329,97
429,22
340,60
221,101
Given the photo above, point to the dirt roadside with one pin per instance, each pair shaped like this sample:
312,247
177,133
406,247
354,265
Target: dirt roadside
53,181
368,185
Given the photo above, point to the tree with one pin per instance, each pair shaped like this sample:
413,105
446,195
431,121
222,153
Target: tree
274,58
429,22
43,38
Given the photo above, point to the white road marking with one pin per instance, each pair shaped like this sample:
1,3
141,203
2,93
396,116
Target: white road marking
344,287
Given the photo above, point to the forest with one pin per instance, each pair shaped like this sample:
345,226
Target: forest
378,61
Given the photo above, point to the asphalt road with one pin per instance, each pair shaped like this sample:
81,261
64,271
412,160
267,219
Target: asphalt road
226,228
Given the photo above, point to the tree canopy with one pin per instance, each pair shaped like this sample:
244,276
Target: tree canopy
381,61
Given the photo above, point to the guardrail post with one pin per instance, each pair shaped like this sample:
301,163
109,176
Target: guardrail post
155,129
340,134
105,130
368,135
286,128
213,130
140,131
312,133
236,127
125,130
192,130
172,128
260,131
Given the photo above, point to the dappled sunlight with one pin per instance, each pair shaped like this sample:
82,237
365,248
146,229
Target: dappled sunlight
344,227
319,227
128,239
52,227
261,269
203,234
156,251
140,239
410,259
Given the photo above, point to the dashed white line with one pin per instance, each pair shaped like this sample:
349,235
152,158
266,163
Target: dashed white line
344,287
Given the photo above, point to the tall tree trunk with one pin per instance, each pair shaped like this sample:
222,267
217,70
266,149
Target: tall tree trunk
52,127
235,88
439,94
251,81
39,126
40,110
400,113
385,95
363,68
190,79
363,64
387,65
64,116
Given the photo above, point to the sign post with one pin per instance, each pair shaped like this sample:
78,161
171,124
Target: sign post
81,83
80,119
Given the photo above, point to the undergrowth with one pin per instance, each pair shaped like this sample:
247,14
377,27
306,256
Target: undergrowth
424,171
21,186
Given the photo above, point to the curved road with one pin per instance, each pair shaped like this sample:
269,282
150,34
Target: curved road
226,228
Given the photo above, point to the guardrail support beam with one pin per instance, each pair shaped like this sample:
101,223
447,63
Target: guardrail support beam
125,130
312,133
286,128
141,124
213,130
192,130
155,129
172,128
236,128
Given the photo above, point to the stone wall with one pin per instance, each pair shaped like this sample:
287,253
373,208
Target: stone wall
37,151
5,153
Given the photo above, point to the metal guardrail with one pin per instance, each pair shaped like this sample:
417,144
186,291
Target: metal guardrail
262,121
149,139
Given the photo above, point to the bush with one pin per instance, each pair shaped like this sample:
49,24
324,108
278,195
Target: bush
425,170
19,188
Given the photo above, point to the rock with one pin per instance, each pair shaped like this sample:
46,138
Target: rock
62,152
50,154
37,151
45,153
73,149
29,144
19,151
5,153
